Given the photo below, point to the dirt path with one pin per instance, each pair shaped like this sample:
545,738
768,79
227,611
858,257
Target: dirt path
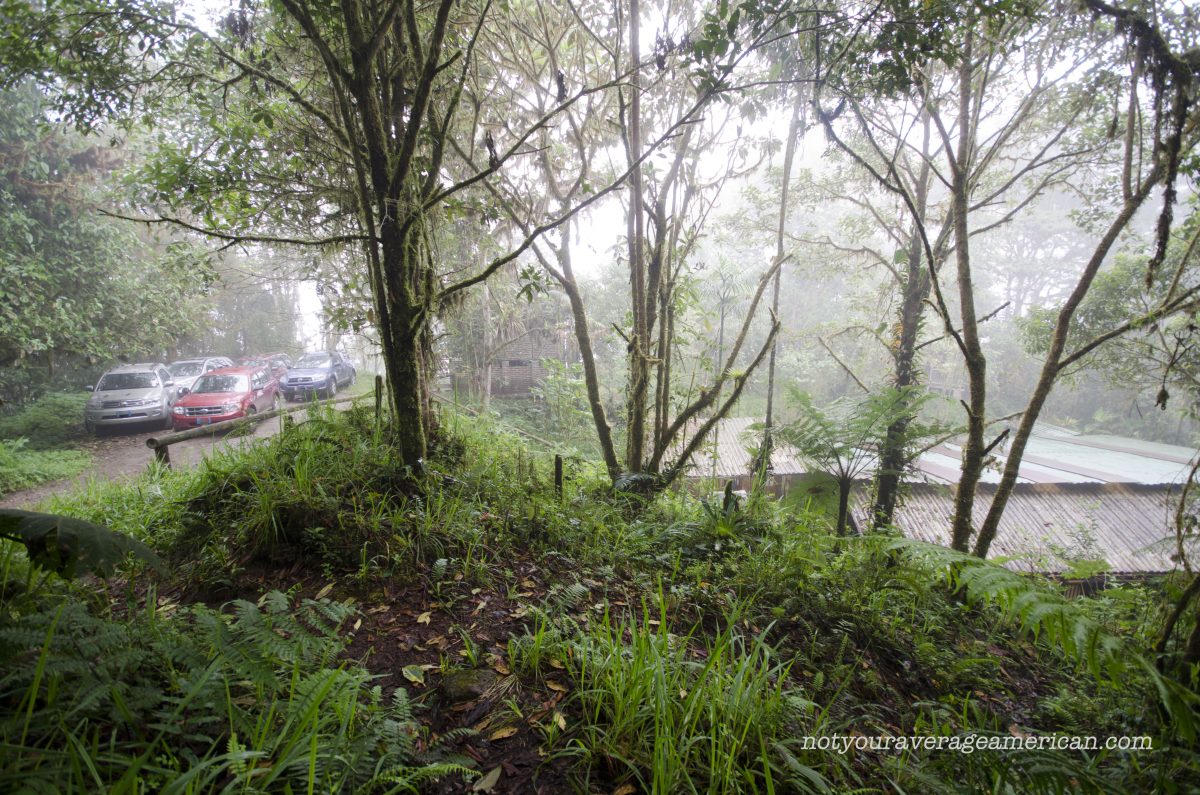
125,456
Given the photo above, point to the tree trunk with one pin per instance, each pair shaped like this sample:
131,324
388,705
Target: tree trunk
843,505
916,287
976,362
566,278
639,339
1051,365
763,464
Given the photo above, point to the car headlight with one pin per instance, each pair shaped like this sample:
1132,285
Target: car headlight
179,410
228,407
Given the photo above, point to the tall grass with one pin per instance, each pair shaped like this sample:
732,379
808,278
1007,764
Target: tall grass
688,714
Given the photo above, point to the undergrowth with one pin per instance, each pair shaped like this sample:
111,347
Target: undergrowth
248,699
707,640
23,468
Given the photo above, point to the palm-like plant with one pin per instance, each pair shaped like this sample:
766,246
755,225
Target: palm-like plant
842,439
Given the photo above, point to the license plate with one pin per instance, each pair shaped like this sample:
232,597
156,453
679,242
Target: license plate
121,415
204,420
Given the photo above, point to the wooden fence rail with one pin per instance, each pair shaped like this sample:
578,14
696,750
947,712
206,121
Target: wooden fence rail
161,444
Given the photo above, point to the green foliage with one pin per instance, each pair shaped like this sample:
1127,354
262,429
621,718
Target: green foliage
69,546
879,47
684,719
842,440
21,468
1048,615
563,397
783,631
52,420
81,288
200,701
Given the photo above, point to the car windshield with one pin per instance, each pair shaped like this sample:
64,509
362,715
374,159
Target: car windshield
113,381
187,369
313,360
209,384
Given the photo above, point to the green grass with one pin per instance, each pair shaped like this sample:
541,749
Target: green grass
697,712
23,468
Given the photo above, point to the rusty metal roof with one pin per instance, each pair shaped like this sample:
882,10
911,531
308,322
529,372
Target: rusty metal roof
1045,526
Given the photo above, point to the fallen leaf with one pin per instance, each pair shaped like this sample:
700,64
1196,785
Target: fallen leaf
560,720
413,673
556,664
528,584
500,734
357,624
625,789
424,617
321,594
499,667
488,782
559,686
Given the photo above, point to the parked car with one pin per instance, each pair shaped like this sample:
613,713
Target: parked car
278,363
132,394
186,371
324,371
226,394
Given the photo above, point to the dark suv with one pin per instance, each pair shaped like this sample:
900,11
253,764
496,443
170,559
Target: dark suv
325,372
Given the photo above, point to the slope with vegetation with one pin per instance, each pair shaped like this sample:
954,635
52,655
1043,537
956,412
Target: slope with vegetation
329,621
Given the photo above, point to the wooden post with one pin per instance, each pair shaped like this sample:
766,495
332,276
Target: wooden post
378,399
162,454
558,476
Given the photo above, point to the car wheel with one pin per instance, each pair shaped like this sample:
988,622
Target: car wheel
331,387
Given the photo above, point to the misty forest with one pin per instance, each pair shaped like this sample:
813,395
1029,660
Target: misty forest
574,396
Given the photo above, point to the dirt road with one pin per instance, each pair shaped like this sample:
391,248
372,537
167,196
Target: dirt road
125,456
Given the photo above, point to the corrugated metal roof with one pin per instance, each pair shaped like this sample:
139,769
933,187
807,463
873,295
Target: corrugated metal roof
726,449
1045,526
1057,457
1052,455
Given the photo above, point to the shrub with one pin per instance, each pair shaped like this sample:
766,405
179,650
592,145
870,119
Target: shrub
52,420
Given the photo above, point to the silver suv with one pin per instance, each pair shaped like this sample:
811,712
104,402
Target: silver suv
186,371
131,394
